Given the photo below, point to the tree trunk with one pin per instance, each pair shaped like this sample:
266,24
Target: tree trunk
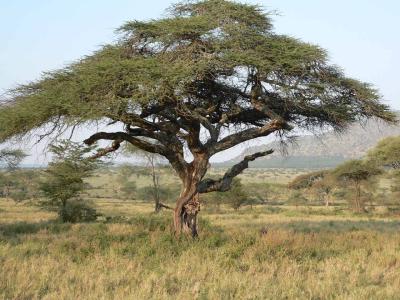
157,206
185,216
327,201
188,204
156,185
359,204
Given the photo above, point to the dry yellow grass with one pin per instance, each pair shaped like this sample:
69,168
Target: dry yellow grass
300,256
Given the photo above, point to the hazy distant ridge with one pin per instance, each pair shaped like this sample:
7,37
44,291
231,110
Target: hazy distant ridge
326,150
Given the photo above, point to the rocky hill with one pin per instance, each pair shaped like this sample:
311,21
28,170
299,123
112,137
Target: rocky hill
325,150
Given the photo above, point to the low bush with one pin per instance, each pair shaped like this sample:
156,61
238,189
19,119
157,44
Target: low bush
77,211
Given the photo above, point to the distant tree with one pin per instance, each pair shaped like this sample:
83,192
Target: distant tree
13,182
211,75
324,188
153,163
126,186
297,198
64,180
235,197
128,189
320,183
306,180
125,171
12,157
19,185
147,193
396,185
355,173
386,153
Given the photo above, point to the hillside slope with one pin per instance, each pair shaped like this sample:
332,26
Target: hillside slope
326,150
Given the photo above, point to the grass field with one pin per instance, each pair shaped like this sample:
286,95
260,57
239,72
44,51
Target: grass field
262,253
106,183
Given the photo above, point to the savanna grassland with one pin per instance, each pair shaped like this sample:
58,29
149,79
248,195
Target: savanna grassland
257,252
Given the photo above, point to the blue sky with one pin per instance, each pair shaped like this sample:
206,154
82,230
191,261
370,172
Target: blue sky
360,36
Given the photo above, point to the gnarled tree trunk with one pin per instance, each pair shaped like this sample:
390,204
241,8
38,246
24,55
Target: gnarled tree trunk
188,204
185,218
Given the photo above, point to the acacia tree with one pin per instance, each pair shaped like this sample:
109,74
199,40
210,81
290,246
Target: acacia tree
64,180
356,173
12,157
386,153
209,76
322,183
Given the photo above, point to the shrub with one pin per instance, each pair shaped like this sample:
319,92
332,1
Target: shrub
297,198
77,211
235,197
146,193
128,189
64,181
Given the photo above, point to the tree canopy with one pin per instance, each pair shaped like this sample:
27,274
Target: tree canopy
64,179
210,75
387,152
12,157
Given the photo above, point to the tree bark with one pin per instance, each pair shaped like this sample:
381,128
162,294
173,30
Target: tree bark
360,208
188,204
156,190
186,211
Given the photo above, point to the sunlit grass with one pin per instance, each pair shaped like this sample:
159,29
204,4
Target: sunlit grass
259,253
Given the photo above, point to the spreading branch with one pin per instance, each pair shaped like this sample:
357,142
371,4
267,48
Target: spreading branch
105,151
224,184
123,136
248,134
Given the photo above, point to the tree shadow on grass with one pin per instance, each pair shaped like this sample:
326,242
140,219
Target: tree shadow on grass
12,232
340,226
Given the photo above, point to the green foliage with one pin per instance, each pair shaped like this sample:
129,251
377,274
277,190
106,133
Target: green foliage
319,184
306,180
12,157
358,175
125,171
259,192
297,198
78,211
166,193
20,185
128,189
235,197
64,178
188,56
356,171
386,153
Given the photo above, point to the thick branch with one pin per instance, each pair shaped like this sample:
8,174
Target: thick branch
248,134
122,136
103,152
223,184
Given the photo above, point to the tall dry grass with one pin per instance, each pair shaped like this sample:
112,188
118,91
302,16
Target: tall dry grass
136,257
